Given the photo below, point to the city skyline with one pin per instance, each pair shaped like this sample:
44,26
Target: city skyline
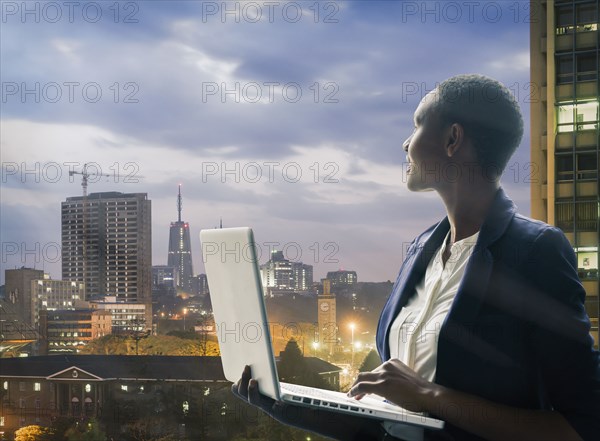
323,174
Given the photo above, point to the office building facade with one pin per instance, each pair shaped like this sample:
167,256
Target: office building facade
106,243
67,331
565,130
280,275
342,278
18,292
303,276
126,317
52,295
163,280
200,285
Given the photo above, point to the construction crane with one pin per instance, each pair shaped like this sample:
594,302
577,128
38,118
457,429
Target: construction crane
85,174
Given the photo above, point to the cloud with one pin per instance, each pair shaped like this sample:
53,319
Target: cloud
518,62
179,97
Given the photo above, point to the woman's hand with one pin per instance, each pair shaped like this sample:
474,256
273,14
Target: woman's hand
398,384
324,422
247,389
401,385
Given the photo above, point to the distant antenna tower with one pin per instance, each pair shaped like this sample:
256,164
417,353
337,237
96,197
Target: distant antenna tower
179,204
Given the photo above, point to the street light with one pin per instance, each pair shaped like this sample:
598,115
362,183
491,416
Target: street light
185,311
352,326
315,345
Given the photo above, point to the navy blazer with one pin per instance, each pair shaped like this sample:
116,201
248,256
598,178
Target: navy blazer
517,332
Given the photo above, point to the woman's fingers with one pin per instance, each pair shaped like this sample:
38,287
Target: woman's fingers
241,387
257,399
367,376
253,394
362,388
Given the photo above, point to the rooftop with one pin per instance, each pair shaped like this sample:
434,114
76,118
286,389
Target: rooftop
109,367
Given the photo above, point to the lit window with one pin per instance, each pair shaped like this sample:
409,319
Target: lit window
5,385
124,387
584,20
1,421
88,387
37,387
587,262
578,116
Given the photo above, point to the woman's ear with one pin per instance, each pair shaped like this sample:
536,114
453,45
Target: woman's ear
455,138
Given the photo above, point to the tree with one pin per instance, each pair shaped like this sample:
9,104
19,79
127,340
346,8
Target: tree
292,368
153,345
370,362
291,362
89,432
33,433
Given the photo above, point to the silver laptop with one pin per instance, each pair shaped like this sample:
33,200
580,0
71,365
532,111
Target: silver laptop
232,269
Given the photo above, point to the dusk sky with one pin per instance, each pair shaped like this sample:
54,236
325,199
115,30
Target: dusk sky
306,105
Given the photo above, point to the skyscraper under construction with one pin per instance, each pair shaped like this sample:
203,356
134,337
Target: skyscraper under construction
107,243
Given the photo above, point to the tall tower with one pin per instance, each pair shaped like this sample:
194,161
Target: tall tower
106,243
565,130
326,315
180,250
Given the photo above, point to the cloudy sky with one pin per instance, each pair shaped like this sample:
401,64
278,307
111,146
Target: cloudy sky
284,116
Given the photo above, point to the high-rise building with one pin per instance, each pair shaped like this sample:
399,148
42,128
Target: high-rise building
106,243
342,278
303,276
180,250
565,130
18,292
280,275
277,273
51,295
163,280
200,285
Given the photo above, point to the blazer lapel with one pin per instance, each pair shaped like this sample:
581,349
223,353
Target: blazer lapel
474,284
411,273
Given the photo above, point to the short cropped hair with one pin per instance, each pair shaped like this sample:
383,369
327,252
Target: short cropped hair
489,114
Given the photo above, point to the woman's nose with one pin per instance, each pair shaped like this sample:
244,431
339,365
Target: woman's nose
406,143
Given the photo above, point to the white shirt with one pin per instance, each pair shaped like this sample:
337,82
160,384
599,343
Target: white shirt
414,332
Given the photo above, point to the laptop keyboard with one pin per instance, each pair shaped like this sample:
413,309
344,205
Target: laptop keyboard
316,393
334,400
369,406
